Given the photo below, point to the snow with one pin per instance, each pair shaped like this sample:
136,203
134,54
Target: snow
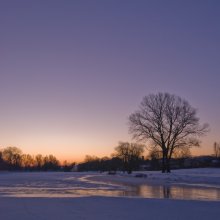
202,176
36,196
100,208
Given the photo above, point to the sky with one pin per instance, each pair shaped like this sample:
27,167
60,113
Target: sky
71,72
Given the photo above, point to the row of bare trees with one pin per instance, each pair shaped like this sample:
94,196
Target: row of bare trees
12,158
128,157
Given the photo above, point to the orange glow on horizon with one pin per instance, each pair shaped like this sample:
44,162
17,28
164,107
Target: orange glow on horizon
76,152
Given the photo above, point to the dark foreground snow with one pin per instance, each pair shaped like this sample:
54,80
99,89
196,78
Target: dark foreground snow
106,208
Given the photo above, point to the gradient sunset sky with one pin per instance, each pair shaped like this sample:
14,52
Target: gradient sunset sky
71,72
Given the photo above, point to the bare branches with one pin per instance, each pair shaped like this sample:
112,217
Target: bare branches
129,153
169,121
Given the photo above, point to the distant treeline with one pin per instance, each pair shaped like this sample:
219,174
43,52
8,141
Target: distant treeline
93,163
127,157
12,158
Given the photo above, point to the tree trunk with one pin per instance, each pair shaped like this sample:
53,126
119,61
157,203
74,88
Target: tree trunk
167,165
163,164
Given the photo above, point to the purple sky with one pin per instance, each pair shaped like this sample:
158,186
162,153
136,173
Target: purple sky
71,72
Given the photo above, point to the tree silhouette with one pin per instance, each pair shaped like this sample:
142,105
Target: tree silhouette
169,122
13,157
130,154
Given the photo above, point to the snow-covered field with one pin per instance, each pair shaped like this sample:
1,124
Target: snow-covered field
209,177
101,208
31,196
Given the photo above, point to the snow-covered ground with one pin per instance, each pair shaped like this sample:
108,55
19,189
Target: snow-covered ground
30,196
106,208
209,177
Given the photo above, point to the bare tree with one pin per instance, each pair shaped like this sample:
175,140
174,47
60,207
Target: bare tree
50,163
13,156
217,150
182,153
39,161
169,122
27,161
130,154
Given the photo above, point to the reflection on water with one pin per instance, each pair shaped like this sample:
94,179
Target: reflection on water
57,193
143,191
178,192
73,185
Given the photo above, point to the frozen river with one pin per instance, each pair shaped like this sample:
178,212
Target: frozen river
62,185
